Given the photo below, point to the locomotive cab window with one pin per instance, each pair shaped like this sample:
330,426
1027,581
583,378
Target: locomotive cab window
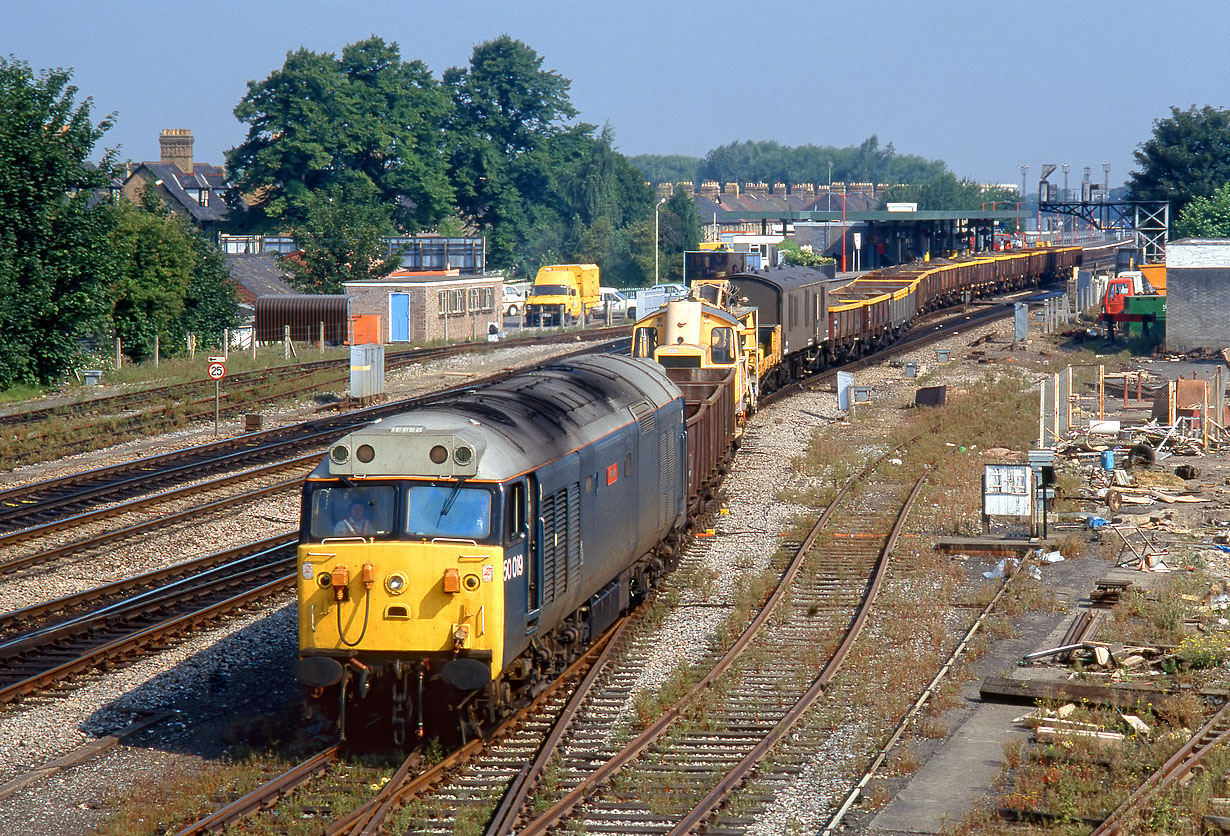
448,511
645,343
722,345
514,512
360,511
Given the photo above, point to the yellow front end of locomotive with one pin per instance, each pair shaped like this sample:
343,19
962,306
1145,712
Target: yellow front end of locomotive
410,599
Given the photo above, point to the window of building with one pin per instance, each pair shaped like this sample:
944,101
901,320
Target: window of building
451,302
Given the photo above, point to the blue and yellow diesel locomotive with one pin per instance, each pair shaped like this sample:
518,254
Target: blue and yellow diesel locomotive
453,556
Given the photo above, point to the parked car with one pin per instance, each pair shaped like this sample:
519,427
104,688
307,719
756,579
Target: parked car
609,297
514,300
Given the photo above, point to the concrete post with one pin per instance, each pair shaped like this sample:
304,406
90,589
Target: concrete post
119,356
155,351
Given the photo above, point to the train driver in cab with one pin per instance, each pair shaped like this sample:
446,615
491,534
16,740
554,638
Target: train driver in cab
355,523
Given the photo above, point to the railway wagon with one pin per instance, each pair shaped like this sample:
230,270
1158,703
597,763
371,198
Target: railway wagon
710,425
453,556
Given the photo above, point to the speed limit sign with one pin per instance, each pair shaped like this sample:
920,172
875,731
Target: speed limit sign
217,371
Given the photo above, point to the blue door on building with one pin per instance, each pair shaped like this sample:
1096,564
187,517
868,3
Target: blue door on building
399,317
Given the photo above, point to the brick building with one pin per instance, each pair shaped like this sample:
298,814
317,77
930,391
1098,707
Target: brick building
191,189
1197,294
426,307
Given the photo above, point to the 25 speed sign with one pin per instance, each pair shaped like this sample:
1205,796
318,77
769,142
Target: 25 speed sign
217,370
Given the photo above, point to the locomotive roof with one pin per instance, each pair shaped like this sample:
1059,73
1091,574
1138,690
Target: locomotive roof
511,426
787,277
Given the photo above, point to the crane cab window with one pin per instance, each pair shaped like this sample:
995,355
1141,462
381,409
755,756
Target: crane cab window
722,345
645,343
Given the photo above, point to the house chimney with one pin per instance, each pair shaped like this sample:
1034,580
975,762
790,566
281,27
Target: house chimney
176,146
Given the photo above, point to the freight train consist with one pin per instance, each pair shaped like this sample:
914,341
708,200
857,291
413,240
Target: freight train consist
454,557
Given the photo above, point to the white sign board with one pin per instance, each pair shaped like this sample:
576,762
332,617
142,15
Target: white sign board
901,207
1007,489
845,383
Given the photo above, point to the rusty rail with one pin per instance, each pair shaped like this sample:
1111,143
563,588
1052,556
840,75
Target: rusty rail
735,776
642,742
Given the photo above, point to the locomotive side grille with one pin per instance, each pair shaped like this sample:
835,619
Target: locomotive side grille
550,537
667,475
575,555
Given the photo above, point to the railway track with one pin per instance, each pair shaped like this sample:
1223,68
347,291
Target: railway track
1212,735
508,750
166,408
37,659
42,503
675,773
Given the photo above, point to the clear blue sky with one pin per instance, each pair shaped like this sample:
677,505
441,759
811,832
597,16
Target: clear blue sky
985,86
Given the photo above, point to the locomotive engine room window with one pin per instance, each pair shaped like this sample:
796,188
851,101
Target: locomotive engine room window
722,345
449,511
515,512
645,343
352,512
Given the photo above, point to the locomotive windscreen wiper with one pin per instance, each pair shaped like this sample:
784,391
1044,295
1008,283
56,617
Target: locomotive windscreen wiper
452,497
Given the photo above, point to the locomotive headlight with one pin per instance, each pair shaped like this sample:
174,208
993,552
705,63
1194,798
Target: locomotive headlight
395,583
438,454
365,453
340,453
463,455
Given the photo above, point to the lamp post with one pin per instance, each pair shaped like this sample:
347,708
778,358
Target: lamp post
655,238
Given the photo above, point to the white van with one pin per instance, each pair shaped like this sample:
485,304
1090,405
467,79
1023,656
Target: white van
609,296
514,300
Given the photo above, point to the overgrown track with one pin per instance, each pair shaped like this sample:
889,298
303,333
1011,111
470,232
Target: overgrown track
681,766
37,659
1214,733
41,503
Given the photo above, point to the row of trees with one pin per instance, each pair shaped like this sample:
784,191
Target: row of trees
342,149
74,265
772,162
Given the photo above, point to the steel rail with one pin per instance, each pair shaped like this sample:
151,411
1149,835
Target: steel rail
923,698
517,794
111,590
177,391
265,795
645,739
1211,735
121,647
182,465
400,788
707,805
170,495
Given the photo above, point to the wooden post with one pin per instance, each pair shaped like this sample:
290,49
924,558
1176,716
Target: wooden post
226,343
1125,390
119,355
155,351
286,342
1056,376
254,343
1170,401
1140,375
322,339
1204,416
1101,392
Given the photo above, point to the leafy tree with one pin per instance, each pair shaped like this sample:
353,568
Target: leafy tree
321,118
168,280
506,99
678,231
772,162
1206,217
1186,157
340,237
53,228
